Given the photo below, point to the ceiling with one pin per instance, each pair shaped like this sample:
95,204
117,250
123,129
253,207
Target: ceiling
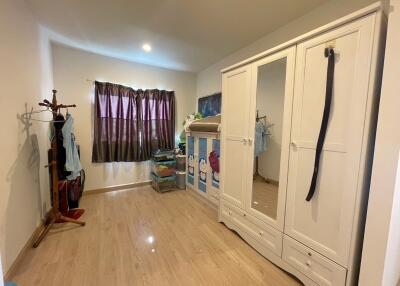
187,35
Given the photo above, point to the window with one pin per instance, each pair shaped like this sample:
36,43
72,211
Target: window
130,124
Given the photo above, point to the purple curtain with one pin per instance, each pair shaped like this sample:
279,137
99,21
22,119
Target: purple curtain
130,124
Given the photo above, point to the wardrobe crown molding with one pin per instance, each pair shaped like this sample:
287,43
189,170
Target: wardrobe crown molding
370,9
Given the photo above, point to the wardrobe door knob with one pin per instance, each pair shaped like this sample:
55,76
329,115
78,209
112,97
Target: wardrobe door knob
244,141
249,141
294,144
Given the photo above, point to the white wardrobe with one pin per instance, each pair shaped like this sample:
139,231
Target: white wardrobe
319,241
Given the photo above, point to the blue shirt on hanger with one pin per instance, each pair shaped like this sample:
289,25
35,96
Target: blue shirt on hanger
72,163
260,140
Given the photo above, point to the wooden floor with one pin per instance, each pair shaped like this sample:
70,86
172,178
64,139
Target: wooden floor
140,237
265,197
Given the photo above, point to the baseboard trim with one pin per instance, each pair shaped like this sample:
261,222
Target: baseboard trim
116,188
195,194
267,180
28,245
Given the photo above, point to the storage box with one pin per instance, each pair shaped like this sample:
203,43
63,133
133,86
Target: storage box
163,184
163,156
163,168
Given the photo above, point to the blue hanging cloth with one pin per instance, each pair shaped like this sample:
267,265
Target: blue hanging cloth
260,140
72,163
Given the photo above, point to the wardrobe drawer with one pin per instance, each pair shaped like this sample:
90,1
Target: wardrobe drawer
265,234
312,264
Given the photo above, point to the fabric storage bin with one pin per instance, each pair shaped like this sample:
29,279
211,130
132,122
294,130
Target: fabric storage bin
181,180
180,163
163,168
163,184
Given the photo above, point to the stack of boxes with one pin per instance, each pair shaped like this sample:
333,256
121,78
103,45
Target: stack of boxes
163,171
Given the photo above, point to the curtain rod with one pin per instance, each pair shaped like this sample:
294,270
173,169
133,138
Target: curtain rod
93,81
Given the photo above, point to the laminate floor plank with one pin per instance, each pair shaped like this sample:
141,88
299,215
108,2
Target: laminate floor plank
141,237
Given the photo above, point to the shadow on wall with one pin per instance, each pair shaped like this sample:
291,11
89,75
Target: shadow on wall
23,209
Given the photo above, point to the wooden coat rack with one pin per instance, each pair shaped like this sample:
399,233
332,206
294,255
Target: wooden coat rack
54,215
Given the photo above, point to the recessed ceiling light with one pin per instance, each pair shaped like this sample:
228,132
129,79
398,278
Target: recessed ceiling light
146,48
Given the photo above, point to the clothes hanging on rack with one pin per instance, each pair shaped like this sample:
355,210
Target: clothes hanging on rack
72,162
56,131
260,139
68,162
55,168
76,190
71,176
69,194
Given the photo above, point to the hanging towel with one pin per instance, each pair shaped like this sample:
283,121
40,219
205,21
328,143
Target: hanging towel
72,162
260,140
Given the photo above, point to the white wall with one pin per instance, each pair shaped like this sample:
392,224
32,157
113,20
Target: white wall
73,67
46,87
381,253
23,195
270,102
209,80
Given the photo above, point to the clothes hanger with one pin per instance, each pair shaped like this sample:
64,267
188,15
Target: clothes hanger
27,116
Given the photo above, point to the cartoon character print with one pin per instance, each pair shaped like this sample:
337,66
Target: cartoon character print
191,164
216,177
203,169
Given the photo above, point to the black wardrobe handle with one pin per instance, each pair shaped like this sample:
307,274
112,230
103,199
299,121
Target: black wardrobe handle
330,54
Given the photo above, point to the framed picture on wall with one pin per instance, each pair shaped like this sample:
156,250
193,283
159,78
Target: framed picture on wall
210,105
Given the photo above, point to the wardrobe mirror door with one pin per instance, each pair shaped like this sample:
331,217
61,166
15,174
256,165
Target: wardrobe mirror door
268,122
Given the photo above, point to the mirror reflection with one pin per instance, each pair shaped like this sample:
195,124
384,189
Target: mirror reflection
268,136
